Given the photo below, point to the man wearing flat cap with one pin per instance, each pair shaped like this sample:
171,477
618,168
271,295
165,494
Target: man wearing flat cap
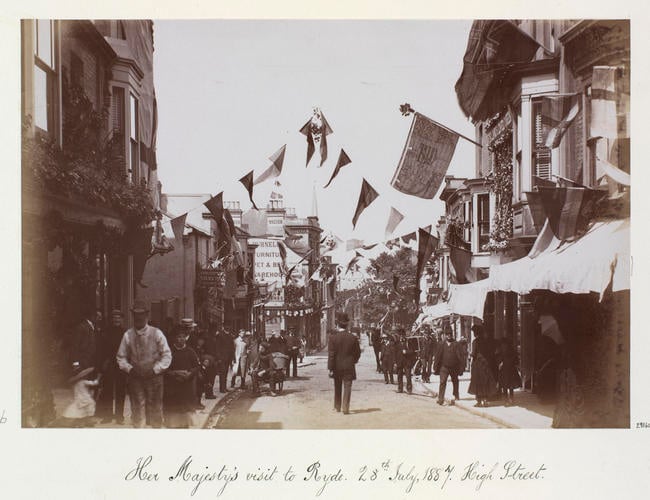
344,352
144,355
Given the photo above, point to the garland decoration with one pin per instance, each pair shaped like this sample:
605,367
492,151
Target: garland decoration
500,182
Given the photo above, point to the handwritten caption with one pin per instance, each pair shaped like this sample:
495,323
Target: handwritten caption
323,479
3,418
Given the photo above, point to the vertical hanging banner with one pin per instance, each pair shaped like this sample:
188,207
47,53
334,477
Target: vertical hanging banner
425,159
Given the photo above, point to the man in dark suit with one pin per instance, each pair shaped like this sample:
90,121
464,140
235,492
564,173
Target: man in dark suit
224,353
375,340
344,352
405,358
447,364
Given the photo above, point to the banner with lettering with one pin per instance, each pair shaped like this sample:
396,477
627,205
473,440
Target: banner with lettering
425,159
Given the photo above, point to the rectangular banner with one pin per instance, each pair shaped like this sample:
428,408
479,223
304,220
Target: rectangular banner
425,160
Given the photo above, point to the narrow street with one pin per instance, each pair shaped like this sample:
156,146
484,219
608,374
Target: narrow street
307,402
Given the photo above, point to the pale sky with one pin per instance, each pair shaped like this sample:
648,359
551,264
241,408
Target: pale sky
231,93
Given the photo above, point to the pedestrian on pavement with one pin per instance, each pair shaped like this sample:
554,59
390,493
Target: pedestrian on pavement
509,378
375,341
110,405
293,350
482,384
179,398
205,375
344,353
429,348
85,348
387,357
224,354
405,357
144,355
240,360
448,364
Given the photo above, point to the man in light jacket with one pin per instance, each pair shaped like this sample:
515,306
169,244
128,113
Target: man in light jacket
144,355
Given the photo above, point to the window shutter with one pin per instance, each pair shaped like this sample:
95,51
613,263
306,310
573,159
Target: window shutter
542,154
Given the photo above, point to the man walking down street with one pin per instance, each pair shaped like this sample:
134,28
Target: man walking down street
405,358
293,348
224,354
375,340
447,364
344,352
144,355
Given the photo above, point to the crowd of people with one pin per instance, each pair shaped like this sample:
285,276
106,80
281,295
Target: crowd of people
165,375
493,365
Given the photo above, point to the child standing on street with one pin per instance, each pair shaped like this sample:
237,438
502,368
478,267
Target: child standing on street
83,406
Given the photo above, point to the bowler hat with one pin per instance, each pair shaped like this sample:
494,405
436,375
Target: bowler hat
187,323
139,306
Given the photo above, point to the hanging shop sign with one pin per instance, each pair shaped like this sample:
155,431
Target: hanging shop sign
210,277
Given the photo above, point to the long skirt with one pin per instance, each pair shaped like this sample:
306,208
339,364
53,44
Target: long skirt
482,382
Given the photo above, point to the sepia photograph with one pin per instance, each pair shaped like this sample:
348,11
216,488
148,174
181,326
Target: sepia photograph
325,224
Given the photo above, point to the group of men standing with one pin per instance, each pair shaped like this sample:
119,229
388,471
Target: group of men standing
397,354
165,376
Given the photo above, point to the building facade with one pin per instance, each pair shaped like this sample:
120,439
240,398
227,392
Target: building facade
89,184
522,82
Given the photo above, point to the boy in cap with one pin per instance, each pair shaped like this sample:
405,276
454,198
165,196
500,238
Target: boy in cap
144,355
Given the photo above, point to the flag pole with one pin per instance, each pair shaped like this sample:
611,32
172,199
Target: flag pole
458,134
407,110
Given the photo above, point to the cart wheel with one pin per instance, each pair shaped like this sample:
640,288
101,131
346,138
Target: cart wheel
417,368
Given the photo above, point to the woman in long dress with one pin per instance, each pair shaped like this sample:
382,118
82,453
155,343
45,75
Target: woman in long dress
179,396
482,383
509,378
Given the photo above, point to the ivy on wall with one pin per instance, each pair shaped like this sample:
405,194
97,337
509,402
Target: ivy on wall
91,165
500,182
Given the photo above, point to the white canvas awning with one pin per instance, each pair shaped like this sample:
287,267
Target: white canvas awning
589,264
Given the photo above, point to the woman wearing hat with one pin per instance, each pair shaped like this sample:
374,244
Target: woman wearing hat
179,397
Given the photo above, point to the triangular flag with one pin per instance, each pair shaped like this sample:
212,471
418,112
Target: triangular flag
426,245
141,250
215,206
353,262
325,131
247,181
366,197
558,113
178,226
408,237
316,275
343,160
306,129
276,168
394,218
